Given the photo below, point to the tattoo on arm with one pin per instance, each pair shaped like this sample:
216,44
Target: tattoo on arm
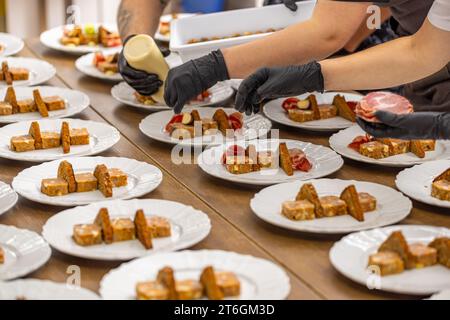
123,20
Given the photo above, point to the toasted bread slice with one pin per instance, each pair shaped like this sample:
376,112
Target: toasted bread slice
221,118
308,192
196,115
167,278
314,106
42,108
351,198
442,245
443,176
417,148
252,154
11,98
65,171
396,242
343,109
104,180
143,231
35,132
209,282
285,159
7,76
104,222
65,137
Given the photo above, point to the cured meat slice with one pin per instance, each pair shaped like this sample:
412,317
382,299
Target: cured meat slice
385,101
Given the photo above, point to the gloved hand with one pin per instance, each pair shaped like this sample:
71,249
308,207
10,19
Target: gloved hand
143,82
290,4
411,126
271,83
185,82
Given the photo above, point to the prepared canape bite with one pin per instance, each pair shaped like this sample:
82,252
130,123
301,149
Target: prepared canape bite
54,103
396,146
159,226
104,222
123,229
396,242
368,202
19,74
299,115
332,206
308,192
143,230
166,276
106,63
285,159
189,289
298,210
22,143
118,177
85,182
87,234
26,105
90,35
50,140
228,283
209,281
442,245
105,185
79,136
151,290
421,256
7,76
374,149
54,187
388,262
2,256
11,98
35,132
65,171
6,108
351,198
327,111
441,190
41,106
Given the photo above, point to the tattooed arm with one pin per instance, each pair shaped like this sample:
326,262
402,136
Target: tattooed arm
139,16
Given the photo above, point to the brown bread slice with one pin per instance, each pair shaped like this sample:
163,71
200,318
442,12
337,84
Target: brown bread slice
308,192
396,242
221,118
104,180
285,159
65,171
143,231
351,198
42,108
35,132
343,109
6,74
443,176
209,282
417,148
167,278
196,115
65,137
104,222
11,98
314,106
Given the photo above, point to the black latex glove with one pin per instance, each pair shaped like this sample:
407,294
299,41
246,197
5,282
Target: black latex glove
411,126
290,4
272,83
187,81
143,82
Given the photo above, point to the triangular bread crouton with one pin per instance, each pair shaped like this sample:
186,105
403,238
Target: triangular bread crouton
221,118
351,198
209,282
143,230
344,110
104,180
396,242
417,148
104,222
443,176
308,192
40,104
314,106
167,278
11,98
7,76
65,171
65,137
285,159
35,132
442,245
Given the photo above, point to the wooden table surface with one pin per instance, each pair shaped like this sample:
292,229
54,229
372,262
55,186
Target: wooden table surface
234,226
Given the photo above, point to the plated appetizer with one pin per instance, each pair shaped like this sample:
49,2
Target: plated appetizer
10,44
440,187
90,35
106,63
214,285
25,71
13,74
203,98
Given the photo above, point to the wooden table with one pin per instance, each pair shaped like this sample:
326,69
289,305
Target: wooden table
234,226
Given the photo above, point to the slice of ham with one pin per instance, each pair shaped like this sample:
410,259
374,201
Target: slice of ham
385,101
299,160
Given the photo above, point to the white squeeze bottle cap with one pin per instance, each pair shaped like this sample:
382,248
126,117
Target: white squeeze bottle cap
142,53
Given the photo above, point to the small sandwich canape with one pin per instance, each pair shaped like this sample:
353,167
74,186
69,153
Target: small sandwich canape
374,150
118,177
54,187
388,262
79,137
86,182
332,206
26,105
123,229
87,234
396,242
50,140
421,256
368,202
228,283
6,108
54,103
22,143
298,210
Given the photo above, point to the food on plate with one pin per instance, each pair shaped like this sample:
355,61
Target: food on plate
395,255
149,101
214,285
79,136
2,256
238,160
10,105
385,101
234,35
123,229
143,230
87,234
65,137
159,227
382,148
13,74
107,64
22,143
440,187
308,205
76,36
118,177
68,181
309,110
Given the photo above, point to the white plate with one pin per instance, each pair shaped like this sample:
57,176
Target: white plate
76,102
416,182
350,257
102,137
122,92
189,226
8,197
392,206
443,295
340,141
11,44
142,179
235,83
51,38
153,127
260,279
275,112
324,161
166,18
85,65
34,289
25,252
40,71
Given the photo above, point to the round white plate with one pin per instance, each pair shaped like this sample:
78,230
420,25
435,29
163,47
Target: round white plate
25,251
260,279
51,38
275,112
392,206
443,295
40,71
153,126
76,102
350,257
416,182
189,226
85,65
142,179
340,141
11,44
324,161
34,289
8,197
122,92
102,137
167,18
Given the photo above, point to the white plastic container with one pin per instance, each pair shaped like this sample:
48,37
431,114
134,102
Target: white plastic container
228,23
